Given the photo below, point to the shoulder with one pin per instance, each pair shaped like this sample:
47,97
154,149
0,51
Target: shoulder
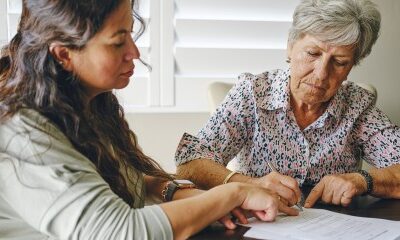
263,79
31,137
28,121
267,88
263,83
357,99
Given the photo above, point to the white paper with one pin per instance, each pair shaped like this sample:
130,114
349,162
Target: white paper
324,225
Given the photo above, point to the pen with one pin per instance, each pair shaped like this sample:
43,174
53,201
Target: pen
271,166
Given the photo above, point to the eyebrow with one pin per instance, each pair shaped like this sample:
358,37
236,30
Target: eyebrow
122,31
335,55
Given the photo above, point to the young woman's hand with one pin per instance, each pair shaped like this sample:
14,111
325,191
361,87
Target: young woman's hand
229,221
264,203
259,201
226,220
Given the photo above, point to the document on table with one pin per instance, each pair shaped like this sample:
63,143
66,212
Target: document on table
323,225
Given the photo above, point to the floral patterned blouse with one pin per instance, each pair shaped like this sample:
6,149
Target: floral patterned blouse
255,124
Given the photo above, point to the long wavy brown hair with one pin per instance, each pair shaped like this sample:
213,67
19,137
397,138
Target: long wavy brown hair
31,78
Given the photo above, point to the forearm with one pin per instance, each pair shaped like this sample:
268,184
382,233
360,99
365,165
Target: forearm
186,193
187,216
154,186
207,174
386,181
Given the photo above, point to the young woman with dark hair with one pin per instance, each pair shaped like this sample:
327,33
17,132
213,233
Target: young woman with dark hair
70,167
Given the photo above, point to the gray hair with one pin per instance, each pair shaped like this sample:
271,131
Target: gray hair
338,22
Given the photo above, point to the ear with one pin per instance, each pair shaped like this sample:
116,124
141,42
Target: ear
62,55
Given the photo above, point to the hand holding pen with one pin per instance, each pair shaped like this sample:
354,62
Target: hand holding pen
285,186
299,201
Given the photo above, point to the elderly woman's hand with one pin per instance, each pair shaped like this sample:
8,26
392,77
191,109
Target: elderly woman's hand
286,187
337,189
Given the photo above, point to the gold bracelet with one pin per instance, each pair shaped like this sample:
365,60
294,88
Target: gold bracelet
229,177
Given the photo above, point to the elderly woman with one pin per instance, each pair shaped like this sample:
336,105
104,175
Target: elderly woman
306,121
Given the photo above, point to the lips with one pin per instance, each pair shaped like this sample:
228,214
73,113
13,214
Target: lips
128,73
315,86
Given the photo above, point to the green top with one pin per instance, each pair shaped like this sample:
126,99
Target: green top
50,190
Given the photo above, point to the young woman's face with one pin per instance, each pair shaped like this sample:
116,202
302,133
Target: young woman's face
106,62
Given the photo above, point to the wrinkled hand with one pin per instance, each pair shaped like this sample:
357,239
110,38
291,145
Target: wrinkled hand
337,189
264,203
286,187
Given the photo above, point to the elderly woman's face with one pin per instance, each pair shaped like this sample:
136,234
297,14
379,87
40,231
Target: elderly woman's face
317,69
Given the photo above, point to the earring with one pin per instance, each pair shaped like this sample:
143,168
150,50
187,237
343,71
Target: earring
61,63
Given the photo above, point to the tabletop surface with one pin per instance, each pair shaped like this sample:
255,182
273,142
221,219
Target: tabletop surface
362,206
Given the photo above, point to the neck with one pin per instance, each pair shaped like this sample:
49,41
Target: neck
305,113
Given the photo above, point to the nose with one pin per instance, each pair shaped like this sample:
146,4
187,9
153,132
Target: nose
132,51
321,69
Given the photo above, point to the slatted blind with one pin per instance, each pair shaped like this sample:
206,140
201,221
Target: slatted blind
216,40
10,11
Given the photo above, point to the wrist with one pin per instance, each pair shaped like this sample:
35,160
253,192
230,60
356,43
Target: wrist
171,187
368,183
236,192
238,177
228,177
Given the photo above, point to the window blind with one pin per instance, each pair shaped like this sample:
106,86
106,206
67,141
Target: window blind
216,40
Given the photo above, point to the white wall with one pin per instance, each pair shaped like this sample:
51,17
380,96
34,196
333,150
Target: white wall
382,67
159,133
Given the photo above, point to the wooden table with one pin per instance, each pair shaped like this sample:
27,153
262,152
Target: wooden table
363,206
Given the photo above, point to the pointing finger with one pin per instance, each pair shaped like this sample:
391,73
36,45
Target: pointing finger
314,195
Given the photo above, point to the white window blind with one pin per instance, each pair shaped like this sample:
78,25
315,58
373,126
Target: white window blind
3,23
10,12
216,40
191,43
